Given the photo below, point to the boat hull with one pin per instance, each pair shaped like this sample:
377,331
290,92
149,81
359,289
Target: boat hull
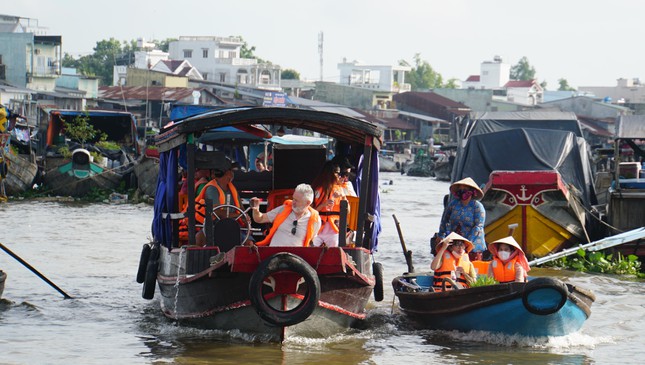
63,178
147,171
548,217
3,278
21,173
218,296
502,308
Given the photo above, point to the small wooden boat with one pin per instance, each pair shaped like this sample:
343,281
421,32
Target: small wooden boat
20,160
543,306
270,292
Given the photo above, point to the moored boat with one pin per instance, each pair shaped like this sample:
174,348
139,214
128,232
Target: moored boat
542,306
271,292
74,167
3,278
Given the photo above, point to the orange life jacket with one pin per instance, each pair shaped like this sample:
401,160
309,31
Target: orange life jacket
448,265
504,273
332,216
282,216
200,207
481,266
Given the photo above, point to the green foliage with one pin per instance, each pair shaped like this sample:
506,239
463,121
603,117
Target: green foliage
164,45
248,52
600,262
564,85
290,74
451,84
98,158
422,76
483,280
522,70
108,145
65,152
80,130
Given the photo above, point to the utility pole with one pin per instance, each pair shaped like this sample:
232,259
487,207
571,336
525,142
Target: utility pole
320,52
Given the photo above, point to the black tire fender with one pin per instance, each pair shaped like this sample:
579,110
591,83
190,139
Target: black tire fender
143,263
150,281
377,270
544,283
281,262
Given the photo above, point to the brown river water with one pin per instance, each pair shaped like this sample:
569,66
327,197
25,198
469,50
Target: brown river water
91,252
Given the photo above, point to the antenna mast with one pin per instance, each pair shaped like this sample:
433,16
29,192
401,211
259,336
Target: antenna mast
320,52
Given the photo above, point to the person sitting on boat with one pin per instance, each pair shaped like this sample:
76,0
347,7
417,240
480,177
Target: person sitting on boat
509,262
295,223
346,168
451,261
464,214
327,196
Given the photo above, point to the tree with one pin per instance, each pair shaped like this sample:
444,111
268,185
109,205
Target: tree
69,61
451,84
422,76
164,45
522,70
290,74
564,85
247,52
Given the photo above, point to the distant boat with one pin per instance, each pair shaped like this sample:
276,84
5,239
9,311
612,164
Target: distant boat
90,165
22,168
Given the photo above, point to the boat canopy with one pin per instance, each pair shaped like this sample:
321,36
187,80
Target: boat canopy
487,122
528,150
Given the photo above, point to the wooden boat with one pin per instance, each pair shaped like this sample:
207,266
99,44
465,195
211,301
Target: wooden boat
626,195
545,185
90,166
21,160
269,292
543,306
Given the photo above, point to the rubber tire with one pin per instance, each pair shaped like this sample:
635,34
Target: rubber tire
544,283
143,263
284,261
377,270
150,282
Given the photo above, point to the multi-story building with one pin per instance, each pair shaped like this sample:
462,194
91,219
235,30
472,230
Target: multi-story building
218,59
385,78
28,57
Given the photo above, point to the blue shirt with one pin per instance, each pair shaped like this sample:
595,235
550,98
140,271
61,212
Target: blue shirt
467,220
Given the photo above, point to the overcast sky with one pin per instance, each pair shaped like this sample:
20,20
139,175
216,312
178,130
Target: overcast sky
589,43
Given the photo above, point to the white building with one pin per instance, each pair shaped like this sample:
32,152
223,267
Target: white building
218,59
381,78
492,75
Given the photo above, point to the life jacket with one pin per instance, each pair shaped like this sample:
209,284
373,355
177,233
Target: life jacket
332,216
448,264
200,207
282,216
481,266
504,273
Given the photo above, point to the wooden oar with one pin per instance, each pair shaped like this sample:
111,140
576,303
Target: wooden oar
34,270
406,252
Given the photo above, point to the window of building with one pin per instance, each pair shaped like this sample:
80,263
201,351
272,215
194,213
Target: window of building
205,75
221,54
188,53
204,52
222,77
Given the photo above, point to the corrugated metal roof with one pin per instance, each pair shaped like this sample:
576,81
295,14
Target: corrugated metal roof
149,93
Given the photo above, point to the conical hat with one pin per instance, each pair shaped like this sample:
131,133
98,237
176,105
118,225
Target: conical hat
507,240
468,246
470,183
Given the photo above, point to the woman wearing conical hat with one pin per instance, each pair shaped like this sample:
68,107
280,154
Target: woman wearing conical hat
451,261
509,262
464,214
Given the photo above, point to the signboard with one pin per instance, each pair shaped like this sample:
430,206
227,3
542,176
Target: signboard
274,99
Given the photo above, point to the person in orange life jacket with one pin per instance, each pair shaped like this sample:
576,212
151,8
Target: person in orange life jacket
295,223
202,177
346,168
327,196
452,261
221,191
509,262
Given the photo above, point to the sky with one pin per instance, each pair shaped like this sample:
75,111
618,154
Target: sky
588,43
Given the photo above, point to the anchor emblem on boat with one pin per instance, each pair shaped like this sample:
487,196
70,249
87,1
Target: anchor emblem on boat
524,197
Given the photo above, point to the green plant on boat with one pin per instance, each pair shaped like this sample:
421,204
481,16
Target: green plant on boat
483,280
65,152
600,262
80,129
98,158
108,145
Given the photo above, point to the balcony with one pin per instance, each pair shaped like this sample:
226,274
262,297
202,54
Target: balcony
44,71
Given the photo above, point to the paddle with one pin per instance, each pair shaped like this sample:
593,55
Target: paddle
33,270
406,253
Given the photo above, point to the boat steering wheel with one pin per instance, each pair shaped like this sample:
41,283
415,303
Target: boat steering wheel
243,215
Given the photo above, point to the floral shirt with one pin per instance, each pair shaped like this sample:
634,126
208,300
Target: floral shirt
467,220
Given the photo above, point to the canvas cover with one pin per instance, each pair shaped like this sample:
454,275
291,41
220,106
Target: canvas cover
528,150
488,122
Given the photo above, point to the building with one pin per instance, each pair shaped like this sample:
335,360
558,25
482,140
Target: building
492,75
523,92
626,91
376,77
28,57
219,59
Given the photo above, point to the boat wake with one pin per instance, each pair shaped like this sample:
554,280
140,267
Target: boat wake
551,343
